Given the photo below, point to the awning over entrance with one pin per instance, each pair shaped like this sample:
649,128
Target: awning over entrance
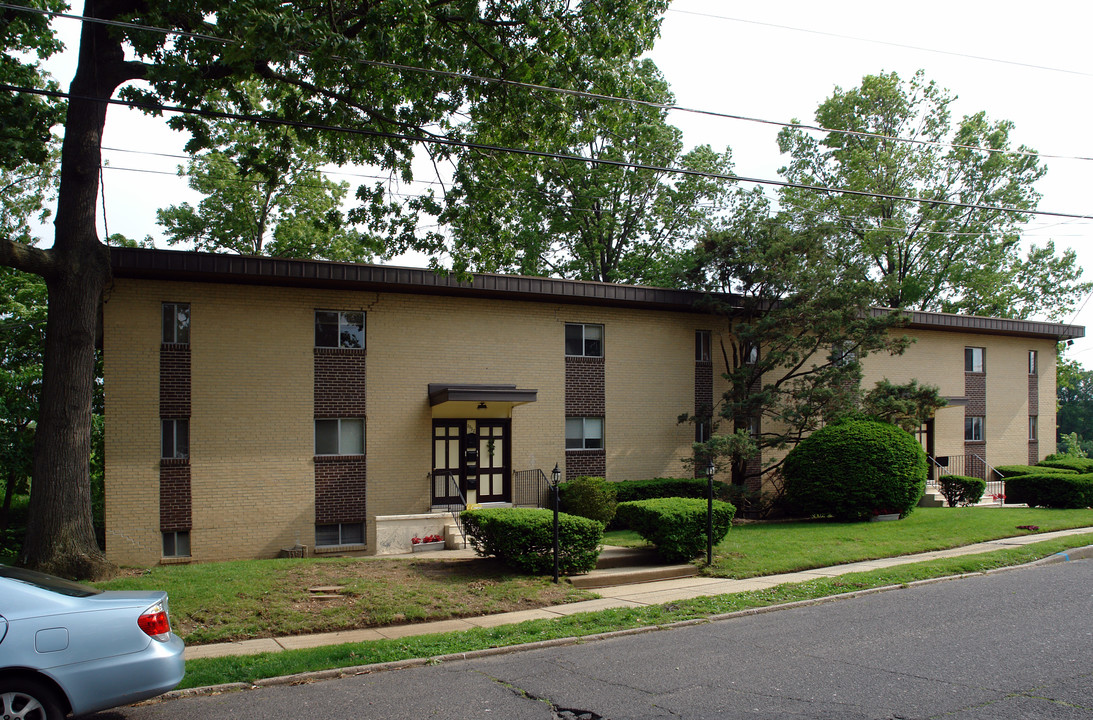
441,393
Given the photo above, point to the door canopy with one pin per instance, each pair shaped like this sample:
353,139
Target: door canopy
470,401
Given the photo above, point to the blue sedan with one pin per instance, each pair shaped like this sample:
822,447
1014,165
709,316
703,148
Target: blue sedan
70,648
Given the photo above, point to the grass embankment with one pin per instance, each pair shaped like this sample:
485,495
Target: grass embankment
237,600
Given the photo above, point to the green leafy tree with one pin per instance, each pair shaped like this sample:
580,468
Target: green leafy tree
801,324
926,255
590,221
313,64
265,194
1074,385
907,406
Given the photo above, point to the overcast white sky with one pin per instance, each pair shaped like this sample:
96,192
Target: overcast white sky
1029,63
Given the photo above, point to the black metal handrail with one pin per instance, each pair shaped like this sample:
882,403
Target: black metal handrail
530,488
970,465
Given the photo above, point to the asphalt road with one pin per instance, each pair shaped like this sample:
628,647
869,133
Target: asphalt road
1015,644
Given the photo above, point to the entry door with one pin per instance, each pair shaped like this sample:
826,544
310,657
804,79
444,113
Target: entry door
447,461
494,465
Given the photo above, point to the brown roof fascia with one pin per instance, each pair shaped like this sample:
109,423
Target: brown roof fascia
184,266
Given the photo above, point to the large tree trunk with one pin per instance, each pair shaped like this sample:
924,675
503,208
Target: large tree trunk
60,536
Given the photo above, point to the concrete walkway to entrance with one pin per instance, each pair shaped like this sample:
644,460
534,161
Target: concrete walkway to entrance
615,596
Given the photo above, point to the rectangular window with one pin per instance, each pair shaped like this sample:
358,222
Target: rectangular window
1032,362
973,359
702,431
176,544
584,340
583,433
751,355
339,329
339,534
1033,421
176,323
338,436
973,429
175,439
843,354
702,345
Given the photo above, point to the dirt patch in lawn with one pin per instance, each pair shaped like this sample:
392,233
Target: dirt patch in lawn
309,596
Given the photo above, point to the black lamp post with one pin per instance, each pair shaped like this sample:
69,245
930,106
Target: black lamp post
710,469
555,478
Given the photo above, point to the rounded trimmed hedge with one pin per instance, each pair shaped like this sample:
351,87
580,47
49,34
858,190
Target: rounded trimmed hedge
1051,490
524,539
677,526
588,497
854,470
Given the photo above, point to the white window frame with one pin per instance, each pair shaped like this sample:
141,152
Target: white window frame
174,537
703,346
975,428
970,365
1033,363
340,435
342,323
702,431
341,534
179,331
584,339
751,355
1033,428
585,437
179,428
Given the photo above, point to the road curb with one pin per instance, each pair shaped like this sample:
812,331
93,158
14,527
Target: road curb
1079,553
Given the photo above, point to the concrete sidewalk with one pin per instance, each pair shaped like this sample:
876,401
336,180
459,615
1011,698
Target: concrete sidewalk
635,595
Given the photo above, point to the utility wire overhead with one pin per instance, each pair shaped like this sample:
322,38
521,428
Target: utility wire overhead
592,95
447,142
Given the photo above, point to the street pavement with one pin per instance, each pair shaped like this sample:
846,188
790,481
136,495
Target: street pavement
1013,644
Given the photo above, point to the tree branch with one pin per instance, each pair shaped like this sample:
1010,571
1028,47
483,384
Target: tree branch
27,258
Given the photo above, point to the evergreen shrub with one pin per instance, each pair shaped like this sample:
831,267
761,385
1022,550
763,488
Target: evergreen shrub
961,489
676,526
630,490
588,497
1051,490
1067,462
855,469
524,539
1008,471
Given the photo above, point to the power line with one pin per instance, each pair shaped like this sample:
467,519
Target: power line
447,142
592,95
882,42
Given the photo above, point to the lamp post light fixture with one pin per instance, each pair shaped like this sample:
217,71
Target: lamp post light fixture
555,478
710,469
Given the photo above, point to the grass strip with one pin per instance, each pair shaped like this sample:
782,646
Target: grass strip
248,668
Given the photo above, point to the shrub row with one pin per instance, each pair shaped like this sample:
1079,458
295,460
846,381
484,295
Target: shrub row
961,489
589,497
1077,464
1008,471
1051,490
631,490
676,526
524,539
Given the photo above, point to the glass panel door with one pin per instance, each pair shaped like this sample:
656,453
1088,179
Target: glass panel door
447,469
493,461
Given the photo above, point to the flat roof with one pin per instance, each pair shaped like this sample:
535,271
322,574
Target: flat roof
189,266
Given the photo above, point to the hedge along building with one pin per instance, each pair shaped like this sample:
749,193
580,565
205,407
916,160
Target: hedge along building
255,404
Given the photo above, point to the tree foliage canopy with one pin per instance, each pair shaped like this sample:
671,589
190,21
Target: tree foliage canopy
924,255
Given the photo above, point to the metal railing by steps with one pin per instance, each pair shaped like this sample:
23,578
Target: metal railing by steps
970,465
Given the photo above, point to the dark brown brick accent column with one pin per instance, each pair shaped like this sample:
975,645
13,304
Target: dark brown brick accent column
1034,409
340,392
703,403
175,500
585,397
975,390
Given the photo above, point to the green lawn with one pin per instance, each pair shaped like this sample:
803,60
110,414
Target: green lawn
755,549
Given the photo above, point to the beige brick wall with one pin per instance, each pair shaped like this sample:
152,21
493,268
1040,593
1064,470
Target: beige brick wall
252,402
937,358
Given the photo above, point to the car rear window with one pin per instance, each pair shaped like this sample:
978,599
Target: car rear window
47,582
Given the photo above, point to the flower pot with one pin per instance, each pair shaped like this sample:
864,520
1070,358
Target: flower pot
882,518
428,546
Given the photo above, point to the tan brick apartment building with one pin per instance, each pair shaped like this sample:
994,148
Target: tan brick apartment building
256,404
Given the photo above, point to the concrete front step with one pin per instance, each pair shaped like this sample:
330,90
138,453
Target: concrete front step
628,566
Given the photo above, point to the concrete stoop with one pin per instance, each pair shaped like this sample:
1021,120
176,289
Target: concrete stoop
629,566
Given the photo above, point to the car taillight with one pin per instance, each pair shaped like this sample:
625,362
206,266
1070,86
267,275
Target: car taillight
155,623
